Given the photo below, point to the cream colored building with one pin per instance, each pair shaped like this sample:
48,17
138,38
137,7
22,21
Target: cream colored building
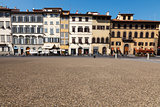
100,33
129,35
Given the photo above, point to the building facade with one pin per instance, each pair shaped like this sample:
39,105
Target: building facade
27,32
80,34
64,38
5,31
100,33
128,35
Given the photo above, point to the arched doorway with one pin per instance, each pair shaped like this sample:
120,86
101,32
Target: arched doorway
104,50
15,50
27,51
126,49
80,51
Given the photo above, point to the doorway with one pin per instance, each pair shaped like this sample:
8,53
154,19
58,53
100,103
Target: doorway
126,49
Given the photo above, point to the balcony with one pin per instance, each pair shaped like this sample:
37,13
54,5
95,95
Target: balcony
129,39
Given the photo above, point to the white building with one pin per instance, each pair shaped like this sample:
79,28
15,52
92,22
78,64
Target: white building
27,32
5,31
80,34
51,24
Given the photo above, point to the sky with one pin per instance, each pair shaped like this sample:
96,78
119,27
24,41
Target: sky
143,9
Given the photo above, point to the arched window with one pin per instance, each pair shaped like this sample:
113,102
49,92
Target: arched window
152,35
141,35
98,40
119,26
147,34
93,40
135,34
125,26
136,26
107,40
118,34
113,34
102,40
124,34
130,35
130,26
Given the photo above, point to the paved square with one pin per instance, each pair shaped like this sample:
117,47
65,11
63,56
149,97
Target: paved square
83,82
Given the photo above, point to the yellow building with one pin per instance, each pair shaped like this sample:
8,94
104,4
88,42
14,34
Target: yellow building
100,33
64,38
128,36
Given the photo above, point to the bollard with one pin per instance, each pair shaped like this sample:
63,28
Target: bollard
116,56
147,56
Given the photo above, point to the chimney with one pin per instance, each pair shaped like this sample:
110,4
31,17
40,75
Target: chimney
27,10
107,13
15,7
77,12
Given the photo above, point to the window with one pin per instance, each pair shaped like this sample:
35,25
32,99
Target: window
73,19
20,19
93,27
147,34
142,26
1,14
45,22
51,15
66,18
86,19
51,22
130,35
66,42
119,26
113,26
51,31
124,35
107,40
40,40
86,29
62,35
135,34
57,22
107,27
153,26
129,17
8,24
102,40
73,40
27,29
141,35
125,26
112,43
113,34
26,19
151,44
73,29
45,30
66,34
33,19
146,43
80,29
135,43
118,43
2,38
62,42
21,40
130,26
2,49
57,30
14,29
86,40
8,38
147,26
101,27
39,19
136,26
80,40
14,19
124,17
140,44
20,29
62,26
80,19
66,26
98,40
93,40
1,24
152,35
118,34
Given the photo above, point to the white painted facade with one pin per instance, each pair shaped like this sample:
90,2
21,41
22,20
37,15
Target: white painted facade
74,47
51,29
5,32
27,32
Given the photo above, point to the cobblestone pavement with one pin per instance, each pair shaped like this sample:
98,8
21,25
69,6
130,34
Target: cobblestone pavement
82,82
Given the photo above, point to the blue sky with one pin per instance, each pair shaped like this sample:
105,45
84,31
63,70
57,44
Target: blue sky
143,9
